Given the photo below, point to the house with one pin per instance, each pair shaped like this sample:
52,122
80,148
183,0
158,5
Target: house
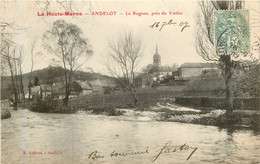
98,86
144,80
36,93
46,91
161,73
59,90
190,70
86,88
97,89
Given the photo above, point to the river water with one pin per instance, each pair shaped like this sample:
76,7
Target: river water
70,138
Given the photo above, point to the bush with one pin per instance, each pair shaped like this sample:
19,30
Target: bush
224,121
109,110
51,106
248,85
5,114
42,107
238,119
64,109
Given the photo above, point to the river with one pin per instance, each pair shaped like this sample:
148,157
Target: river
70,138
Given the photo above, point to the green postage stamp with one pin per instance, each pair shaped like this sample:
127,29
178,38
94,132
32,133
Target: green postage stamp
231,32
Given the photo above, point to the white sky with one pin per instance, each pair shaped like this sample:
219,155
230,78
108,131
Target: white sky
174,46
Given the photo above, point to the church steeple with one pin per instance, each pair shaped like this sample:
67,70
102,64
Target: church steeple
156,58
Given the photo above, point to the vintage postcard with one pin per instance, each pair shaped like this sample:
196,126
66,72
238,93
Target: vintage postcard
130,82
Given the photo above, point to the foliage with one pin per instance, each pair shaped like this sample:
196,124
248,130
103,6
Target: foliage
43,107
249,84
51,106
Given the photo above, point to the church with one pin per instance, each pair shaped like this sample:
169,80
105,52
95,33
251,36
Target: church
157,58
158,71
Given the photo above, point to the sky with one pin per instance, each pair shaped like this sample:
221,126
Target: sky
174,46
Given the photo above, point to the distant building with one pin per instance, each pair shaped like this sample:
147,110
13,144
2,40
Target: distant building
189,70
59,90
46,91
144,80
86,88
97,89
36,93
157,71
97,86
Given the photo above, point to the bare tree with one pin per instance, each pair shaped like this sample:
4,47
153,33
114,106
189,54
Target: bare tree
30,84
22,94
8,51
125,55
205,41
66,42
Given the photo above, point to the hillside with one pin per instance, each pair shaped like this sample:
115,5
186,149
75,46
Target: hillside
53,75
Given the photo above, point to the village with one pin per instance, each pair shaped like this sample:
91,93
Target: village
154,76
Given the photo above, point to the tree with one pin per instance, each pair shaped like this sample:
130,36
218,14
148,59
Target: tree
36,81
22,95
67,43
9,31
8,50
205,41
125,55
30,85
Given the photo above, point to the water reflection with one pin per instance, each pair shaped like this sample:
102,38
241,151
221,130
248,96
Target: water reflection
77,135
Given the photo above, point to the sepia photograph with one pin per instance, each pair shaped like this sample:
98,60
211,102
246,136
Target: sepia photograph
130,82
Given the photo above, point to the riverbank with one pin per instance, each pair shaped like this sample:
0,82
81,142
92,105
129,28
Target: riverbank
165,111
238,119
170,112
